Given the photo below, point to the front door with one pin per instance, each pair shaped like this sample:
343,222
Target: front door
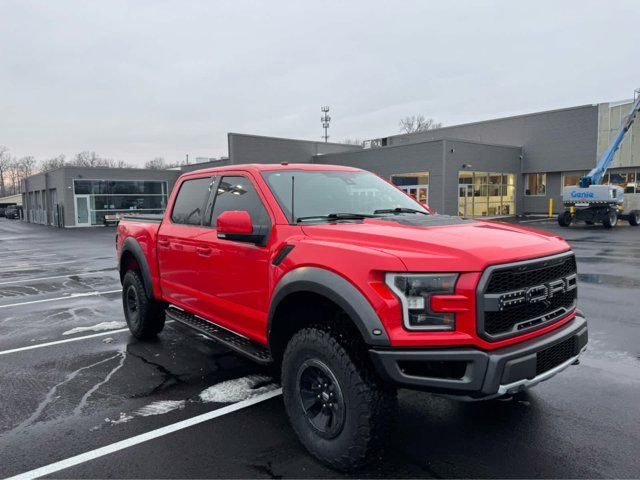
83,218
235,276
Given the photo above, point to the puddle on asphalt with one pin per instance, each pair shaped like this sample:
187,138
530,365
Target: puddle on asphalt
611,280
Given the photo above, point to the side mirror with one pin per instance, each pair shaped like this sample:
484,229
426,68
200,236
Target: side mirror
234,222
236,225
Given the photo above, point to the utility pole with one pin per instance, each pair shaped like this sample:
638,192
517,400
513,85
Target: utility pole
325,119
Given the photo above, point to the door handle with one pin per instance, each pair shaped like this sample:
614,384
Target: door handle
204,251
163,243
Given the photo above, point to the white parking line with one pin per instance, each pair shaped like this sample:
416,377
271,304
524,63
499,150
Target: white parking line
144,437
67,297
546,219
23,251
30,265
30,256
22,280
68,340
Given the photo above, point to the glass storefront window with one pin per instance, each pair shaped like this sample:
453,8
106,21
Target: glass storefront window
627,179
624,179
120,196
119,187
571,179
414,184
535,184
482,194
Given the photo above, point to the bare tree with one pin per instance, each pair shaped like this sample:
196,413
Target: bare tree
53,163
118,164
15,175
88,159
157,163
5,161
418,123
92,160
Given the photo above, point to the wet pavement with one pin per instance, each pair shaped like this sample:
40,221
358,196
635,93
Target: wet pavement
73,380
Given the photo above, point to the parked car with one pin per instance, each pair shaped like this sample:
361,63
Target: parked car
2,210
13,212
350,289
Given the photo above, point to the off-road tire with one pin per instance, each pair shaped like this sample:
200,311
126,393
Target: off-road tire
369,406
565,218
145,317
634,218
611,220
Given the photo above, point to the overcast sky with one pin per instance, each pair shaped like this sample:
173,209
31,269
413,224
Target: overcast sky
134,80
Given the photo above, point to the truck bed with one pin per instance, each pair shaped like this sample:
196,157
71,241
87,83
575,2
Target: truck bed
143,217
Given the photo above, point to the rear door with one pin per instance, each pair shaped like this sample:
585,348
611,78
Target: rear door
180,254
236,276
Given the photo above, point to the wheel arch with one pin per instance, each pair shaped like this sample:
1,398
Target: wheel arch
313,283
132,257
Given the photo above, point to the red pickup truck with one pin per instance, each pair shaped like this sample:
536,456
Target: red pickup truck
351,289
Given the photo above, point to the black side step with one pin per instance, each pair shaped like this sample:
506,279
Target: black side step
238,343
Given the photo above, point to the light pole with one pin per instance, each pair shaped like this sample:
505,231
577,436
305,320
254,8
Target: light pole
325,119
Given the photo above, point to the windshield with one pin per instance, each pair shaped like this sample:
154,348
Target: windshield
330,192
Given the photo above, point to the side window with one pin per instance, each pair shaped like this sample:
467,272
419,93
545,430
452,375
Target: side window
238,193
190,201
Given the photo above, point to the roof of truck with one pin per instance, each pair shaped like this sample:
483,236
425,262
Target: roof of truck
263,167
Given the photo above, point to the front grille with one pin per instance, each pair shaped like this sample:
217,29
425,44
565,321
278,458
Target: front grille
505,320
511,279
508,305
554,356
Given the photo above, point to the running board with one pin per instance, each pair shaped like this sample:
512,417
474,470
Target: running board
238,343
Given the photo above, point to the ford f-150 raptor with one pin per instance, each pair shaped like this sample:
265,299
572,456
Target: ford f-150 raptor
350,289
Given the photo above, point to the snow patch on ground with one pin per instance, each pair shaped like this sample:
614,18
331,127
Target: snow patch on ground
238,389
100,327
161,407
124,418
231,391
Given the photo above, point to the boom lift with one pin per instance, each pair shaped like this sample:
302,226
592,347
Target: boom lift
593,202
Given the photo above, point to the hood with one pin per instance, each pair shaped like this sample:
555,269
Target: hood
442,243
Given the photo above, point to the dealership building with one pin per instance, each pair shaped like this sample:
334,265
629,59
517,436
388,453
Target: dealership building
506,166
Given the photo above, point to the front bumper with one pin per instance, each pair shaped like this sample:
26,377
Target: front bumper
469,373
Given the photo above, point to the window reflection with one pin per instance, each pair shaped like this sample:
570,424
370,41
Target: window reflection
107,197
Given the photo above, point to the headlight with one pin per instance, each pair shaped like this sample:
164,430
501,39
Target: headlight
414,291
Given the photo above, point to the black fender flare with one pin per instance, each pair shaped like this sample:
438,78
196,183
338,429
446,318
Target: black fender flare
338,290
132,246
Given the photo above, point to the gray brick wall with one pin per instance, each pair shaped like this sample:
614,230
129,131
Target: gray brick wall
258,149
553,141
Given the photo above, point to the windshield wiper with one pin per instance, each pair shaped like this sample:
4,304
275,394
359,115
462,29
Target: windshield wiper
336,216
400,210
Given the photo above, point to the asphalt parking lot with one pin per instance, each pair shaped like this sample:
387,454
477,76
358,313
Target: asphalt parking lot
72,380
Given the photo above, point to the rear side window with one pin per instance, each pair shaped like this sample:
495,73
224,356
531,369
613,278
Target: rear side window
238,193
190,202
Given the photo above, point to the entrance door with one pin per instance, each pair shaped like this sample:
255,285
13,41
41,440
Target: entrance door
465,200
419,193
82,211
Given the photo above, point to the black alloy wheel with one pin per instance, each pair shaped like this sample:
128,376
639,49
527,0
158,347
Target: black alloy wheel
321,398
145,316
132,306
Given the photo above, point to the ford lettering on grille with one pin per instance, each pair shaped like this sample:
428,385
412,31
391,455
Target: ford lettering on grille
523,296
536,294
